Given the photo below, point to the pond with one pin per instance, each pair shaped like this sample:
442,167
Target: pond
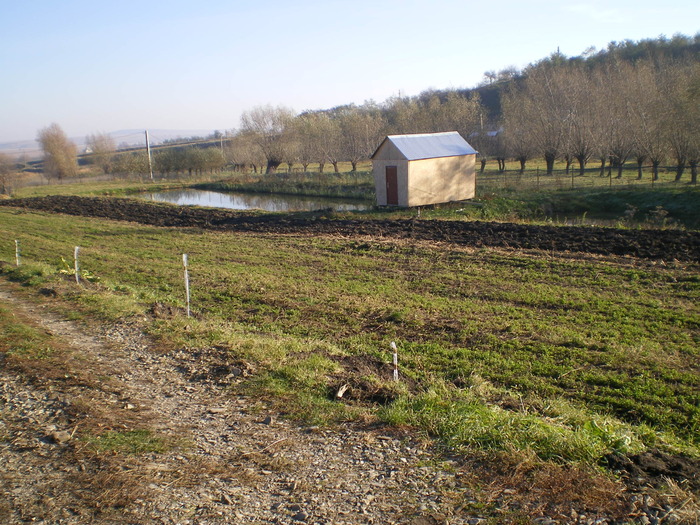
253,201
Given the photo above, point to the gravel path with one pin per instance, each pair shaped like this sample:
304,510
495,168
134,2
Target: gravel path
239,463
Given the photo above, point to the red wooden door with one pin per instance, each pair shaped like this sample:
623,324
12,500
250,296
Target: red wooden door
392,186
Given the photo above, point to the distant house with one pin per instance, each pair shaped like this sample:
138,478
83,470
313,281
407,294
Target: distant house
426,168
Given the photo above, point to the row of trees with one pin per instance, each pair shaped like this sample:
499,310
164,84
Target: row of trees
271,136
61,158
647,112
627,104
190,160
606,107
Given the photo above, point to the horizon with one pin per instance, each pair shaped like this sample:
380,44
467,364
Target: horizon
178,66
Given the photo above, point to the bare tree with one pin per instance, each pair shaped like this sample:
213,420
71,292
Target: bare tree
292,145
518,143
582,120
490,76
542,101
434,112
330,141
214,160
102,147
267,126
517,133
459,113
361,132
405,116
614,119
676,81
648,109
60,154
691,101
308,133
244,151
6,169
166,161
131,163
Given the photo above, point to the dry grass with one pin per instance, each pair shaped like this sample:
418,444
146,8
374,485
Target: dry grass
523,487
681,502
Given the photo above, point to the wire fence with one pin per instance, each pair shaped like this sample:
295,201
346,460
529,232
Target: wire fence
538,179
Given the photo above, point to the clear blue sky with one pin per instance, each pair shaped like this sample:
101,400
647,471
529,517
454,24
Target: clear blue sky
101,66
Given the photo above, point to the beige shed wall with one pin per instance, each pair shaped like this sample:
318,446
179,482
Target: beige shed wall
445,179
387,151
389,155
379,172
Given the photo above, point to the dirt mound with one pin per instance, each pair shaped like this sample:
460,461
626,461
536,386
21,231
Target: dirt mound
646,244
653,467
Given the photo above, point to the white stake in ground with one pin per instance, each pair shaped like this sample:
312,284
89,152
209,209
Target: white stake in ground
187,282
77,266
17,252
396,361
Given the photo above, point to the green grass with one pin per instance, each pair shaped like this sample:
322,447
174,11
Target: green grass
22,340
128,442
465,421
664,206
88,187
571,358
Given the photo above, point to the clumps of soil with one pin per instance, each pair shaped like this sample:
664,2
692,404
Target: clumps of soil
48,292
214,365
646,244
365,379
652,467
166,311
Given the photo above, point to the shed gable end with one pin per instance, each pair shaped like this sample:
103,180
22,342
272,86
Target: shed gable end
387,150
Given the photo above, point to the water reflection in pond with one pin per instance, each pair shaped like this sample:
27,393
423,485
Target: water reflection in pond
253,201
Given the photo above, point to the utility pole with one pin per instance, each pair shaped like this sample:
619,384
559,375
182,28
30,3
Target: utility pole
150,160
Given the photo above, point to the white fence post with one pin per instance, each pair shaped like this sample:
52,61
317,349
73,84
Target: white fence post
17,253
187,282
77,266
396,361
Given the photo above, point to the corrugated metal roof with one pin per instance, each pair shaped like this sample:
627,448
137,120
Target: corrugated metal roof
430,145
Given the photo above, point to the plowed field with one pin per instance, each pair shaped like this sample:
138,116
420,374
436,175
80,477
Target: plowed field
648,244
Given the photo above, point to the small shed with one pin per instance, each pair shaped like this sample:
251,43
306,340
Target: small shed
425,168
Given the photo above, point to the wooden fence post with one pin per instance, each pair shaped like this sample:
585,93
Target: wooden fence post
76,265
396,361
187,282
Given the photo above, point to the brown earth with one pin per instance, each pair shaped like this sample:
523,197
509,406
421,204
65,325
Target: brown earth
647,244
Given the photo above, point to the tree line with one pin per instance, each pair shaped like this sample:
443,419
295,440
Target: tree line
646,112
615,111
634,103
